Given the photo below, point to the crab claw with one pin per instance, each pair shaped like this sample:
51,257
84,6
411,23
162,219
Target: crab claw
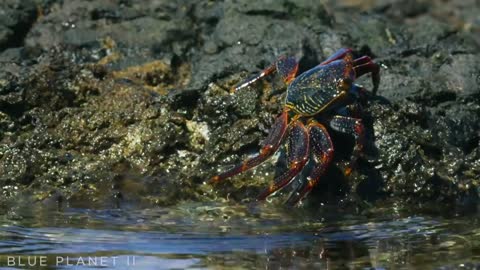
364,65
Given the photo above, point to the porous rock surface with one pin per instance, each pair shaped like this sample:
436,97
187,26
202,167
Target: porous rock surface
107,102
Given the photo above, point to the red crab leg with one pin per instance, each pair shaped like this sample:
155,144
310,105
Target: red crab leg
269,146
369,67
322,155
352,126
286,66
269,70
362,60
298,146
341,53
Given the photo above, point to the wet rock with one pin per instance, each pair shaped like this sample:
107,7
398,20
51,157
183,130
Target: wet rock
414,159
109,102
140,31
15,22
250,36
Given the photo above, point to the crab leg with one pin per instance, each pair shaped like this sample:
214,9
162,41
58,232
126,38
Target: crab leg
341,53
286,66
368,67
322,155
362,60
269,146
352,126
298,146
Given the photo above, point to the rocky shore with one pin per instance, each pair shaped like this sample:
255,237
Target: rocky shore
127,102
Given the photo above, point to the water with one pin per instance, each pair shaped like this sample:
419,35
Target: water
234,236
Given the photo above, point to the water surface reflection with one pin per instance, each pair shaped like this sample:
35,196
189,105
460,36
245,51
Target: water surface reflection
199,236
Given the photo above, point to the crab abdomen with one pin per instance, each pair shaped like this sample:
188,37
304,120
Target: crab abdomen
313,90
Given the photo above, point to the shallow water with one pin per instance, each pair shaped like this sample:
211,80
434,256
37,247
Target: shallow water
209,236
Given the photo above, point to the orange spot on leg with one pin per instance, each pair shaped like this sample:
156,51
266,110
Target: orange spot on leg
348,171
291,76
244,166
265,150
215,179
311,183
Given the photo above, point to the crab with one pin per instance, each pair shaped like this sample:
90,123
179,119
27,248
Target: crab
315,99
